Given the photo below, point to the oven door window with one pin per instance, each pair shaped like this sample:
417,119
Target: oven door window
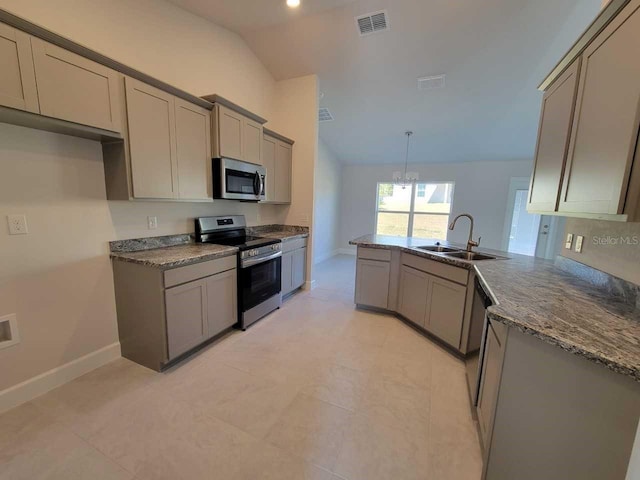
242,182
259,283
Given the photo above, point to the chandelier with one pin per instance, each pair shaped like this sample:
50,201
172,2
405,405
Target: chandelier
407,178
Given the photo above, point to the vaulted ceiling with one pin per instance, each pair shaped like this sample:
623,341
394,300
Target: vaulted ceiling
494,54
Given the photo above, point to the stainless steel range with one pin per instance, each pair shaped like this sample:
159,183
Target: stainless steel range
259,265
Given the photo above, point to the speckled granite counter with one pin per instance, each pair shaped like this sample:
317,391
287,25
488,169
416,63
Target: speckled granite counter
282,232
539,298
176,256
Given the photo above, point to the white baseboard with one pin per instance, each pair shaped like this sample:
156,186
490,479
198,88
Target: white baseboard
325,257
309,285
41,384
348,251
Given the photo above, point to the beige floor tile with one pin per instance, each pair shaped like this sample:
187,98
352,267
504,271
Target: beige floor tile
400,405
374,449
360,393
311,429
338,385
55,453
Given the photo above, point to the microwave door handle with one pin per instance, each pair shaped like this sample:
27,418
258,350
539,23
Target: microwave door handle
256,183
261,184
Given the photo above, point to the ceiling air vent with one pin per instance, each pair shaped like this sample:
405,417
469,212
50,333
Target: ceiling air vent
324,115
430,83
372,23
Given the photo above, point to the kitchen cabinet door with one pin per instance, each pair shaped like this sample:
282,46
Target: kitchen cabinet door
193,151
372,283
490,380
222,303
287,273
554,133
414,293
606,121
269,148
299,267
75,89
186,307
252,141
229,135
152,141
283,172
17,77
445,310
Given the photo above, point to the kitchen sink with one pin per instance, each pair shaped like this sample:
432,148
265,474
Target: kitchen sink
470,256
439,249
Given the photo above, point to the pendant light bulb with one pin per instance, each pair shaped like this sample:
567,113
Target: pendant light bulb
293,3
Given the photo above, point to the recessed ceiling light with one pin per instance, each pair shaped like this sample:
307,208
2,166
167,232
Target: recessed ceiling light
293,3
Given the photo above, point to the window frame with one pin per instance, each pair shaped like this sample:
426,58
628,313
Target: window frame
412,213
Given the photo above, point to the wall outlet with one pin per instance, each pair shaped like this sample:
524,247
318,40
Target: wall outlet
569,243
9,335
17,224
152,223
579,242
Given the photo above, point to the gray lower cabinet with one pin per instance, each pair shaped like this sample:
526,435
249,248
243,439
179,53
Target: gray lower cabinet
222,313
491,370
445,314
414,293
372,283
163,314
294,264
186,317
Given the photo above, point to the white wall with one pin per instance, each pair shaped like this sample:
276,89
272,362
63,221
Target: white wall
295,115
481,189
327,191
58,278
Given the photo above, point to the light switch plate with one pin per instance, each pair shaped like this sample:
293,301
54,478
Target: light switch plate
569,241
152,223
17,224
579,242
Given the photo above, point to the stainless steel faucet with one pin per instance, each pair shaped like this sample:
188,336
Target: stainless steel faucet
471,243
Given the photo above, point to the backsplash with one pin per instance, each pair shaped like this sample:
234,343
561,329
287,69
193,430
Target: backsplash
611,247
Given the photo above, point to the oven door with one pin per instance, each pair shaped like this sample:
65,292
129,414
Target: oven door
259,282
234,180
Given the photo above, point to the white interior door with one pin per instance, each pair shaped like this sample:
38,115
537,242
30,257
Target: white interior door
526,233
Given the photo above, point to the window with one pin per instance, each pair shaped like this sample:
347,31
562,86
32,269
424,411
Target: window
420,210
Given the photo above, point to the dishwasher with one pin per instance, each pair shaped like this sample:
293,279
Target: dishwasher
479,323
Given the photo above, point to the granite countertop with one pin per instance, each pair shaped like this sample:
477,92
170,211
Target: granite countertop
281,232
540,298
176,256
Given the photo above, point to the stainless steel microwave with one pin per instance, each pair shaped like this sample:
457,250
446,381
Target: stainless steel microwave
235,180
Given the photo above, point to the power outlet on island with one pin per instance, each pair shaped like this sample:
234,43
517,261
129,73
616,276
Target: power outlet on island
17,224
569,243
152,223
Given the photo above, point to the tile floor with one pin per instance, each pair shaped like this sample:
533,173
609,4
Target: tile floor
317,390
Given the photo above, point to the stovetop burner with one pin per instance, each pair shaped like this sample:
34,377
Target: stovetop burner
229,231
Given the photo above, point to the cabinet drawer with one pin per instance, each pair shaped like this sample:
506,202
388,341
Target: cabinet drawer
176,276
374,254
293,244
456,274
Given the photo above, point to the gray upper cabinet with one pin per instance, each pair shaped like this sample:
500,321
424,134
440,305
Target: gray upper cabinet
269,148
445,314
222,303
17,76
553,141
193,151
414,292
235,135
152,141
228,135
606,120
372,283
186,317
252,141
75,89
277,160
